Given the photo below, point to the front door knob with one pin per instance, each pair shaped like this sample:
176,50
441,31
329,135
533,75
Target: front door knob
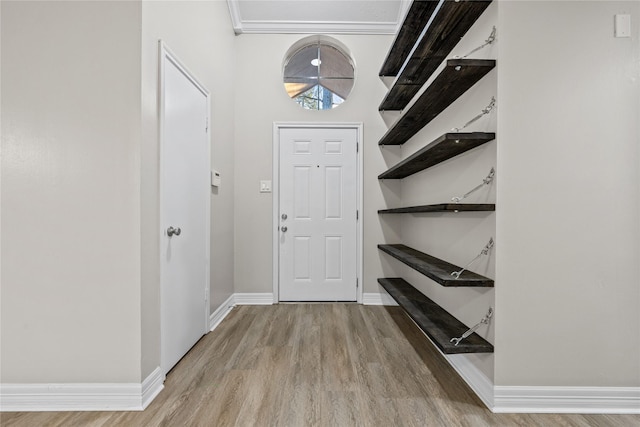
173,231
284,229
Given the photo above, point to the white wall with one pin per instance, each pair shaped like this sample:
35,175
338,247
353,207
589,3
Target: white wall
262,100
567,290
200,34
70,185
80,277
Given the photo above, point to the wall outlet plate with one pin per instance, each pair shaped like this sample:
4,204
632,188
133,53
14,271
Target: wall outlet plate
622,26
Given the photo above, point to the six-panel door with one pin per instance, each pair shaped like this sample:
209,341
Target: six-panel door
318,207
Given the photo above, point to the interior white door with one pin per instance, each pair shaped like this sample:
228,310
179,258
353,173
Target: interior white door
184,212
317,215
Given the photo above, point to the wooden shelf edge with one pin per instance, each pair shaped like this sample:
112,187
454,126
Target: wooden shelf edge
437,151
442,207
434,268
409,32
458,76
437,323
442,31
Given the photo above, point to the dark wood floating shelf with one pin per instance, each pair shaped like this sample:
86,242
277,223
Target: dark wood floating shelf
442,207
435,268
445,147
455,79
418,14
436,322
431,42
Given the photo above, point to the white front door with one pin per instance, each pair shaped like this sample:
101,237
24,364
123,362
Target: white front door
184,211
317,214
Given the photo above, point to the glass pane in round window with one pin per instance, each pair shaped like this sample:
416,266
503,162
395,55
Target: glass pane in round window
318,75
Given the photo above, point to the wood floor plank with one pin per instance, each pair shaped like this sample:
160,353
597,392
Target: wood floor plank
377,410
339,408
223,403
301,408
272,376
307,365
307,354
337,368
361,342
415,413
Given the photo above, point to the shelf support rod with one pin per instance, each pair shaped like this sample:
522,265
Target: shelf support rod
485,181
483,321
487,42
484,251
484,111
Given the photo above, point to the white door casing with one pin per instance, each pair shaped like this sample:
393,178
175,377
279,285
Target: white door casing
317,195
184,204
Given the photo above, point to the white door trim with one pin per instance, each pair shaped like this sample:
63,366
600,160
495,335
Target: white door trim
277,126
165,52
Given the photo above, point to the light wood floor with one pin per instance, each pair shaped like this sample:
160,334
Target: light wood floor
313,364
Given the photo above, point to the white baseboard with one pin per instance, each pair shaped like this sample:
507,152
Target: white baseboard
81,396
221,312
559,400
567,400
375,298
254,298
152,386
481,385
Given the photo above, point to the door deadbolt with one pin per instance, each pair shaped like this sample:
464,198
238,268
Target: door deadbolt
284,216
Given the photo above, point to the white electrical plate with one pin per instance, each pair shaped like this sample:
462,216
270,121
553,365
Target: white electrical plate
265,186
622,26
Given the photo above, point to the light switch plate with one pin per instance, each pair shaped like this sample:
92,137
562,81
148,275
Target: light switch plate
622,26
265,186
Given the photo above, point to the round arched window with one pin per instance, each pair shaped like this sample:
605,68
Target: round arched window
318,73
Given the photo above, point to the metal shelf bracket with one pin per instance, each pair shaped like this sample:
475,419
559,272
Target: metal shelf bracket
483,321
485,181
484,251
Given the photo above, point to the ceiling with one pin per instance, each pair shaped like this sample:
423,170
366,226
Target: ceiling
317,16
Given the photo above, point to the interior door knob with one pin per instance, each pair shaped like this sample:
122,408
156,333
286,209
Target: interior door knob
173,231
284,229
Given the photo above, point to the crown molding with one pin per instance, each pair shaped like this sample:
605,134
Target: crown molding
318,27
241,26
234,12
